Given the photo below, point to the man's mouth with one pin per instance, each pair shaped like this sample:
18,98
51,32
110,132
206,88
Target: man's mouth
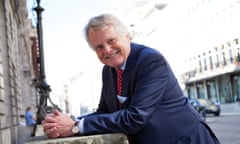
111,55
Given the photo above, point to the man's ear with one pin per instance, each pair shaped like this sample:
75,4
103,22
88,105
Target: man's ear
128,37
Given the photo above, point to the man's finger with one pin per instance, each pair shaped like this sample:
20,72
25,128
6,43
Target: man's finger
52,132
47,126
49,119
56,112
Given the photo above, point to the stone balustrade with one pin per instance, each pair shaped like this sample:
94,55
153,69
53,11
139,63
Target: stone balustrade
93,139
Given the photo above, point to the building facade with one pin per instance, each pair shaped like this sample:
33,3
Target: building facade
215,74
212,36
16,67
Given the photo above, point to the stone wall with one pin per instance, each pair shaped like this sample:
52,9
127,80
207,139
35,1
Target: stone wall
15,67
94,139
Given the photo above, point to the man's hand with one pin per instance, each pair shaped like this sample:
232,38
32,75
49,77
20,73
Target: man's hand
57,125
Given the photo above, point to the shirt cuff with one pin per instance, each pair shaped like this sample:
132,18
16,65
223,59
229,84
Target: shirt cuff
81,126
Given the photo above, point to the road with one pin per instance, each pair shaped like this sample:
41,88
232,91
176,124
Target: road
226,128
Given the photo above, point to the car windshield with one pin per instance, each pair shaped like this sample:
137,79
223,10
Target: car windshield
204,102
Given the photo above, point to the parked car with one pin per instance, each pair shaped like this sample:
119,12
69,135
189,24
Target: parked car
198,107
211,107
204,106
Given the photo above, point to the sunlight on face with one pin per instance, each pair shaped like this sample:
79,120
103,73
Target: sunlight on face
111,48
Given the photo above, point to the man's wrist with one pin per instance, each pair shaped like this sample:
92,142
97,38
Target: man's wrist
75,128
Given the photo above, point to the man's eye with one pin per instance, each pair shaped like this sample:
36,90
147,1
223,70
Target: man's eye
111,41
98,47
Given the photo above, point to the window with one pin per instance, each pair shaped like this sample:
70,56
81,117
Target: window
224,58
217,57
205,62
210,60
231,56
236,41
200,63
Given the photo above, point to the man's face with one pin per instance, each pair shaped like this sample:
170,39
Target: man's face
111,48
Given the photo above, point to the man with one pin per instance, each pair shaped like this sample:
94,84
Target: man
149,107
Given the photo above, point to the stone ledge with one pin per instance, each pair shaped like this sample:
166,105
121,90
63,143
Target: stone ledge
93,139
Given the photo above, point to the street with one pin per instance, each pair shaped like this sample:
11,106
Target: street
226,128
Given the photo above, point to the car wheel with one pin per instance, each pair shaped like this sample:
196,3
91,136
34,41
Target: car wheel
203,114
217,113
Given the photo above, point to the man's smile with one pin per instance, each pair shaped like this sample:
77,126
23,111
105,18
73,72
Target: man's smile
113,54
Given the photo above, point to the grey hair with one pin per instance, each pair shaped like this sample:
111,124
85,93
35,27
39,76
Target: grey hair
102,21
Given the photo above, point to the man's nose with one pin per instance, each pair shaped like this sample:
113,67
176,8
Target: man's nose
107,48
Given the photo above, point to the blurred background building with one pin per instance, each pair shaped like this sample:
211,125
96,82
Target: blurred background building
212,36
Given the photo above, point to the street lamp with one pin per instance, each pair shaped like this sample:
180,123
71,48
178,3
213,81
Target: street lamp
42,86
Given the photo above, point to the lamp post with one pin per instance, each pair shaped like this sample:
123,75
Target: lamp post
42,86
39,11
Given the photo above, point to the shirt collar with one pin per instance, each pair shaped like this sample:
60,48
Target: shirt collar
123,67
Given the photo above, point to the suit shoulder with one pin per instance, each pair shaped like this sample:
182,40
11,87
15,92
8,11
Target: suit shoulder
143,49
145,52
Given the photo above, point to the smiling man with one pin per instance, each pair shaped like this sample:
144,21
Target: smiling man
146,103
112,47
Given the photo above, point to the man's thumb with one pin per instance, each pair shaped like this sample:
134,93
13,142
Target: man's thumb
56,112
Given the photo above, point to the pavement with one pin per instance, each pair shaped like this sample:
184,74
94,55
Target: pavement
230,109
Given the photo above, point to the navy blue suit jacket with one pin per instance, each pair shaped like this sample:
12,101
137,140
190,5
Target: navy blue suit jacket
156,111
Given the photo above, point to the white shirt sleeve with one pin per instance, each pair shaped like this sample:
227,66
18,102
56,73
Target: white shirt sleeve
81,126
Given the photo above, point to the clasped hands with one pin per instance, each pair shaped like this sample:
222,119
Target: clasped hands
57,124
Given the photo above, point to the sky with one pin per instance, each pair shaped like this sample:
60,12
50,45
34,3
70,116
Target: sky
66,52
